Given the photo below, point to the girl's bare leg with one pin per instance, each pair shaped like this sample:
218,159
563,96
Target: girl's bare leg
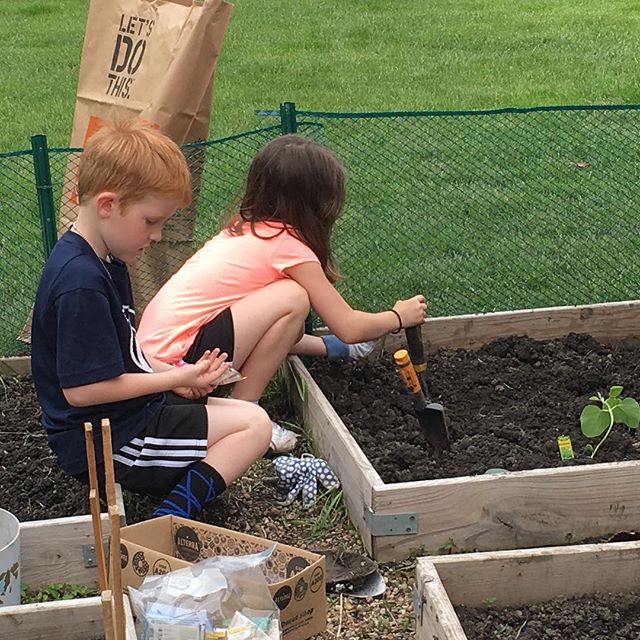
266,324
309,346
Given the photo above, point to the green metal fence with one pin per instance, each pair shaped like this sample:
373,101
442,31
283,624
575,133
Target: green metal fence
480,210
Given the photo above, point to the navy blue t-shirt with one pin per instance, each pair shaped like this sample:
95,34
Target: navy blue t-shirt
83,331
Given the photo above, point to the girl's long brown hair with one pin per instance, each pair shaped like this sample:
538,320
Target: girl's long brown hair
300,183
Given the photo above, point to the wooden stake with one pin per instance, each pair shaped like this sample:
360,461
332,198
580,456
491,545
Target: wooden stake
115,572
115,569
94,503
107,615
107,452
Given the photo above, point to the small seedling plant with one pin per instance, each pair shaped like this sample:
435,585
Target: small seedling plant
596,420
56,591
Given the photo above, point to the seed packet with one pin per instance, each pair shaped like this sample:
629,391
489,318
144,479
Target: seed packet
230,376
173,623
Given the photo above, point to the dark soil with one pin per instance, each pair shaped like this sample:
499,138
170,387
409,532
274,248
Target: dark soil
599,617
505,404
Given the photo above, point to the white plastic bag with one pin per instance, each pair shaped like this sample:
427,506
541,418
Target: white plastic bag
221,598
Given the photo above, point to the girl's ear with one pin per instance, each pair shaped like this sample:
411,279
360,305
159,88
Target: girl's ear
106,204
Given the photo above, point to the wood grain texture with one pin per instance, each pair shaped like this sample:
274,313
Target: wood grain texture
77,619
605,322
51,550
534,575
520,509
436,618
69,619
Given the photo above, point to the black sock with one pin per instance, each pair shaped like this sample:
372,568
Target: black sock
198,487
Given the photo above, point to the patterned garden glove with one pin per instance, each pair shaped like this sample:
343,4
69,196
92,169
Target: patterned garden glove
301,475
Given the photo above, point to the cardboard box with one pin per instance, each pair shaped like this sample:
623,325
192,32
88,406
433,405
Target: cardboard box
296,577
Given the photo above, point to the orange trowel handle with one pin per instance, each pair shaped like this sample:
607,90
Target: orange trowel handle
406,371
416,353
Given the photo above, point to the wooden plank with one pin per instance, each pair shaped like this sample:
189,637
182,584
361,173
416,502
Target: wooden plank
605,322
130,630
333,442
435,615
16,366
520,509
51,550
78,619
534,575
70,619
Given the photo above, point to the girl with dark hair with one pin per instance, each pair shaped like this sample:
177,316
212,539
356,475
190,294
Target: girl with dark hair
249,289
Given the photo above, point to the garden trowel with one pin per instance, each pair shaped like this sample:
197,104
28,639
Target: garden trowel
430,414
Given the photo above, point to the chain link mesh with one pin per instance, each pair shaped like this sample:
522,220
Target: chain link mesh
488,211
21,252
481,211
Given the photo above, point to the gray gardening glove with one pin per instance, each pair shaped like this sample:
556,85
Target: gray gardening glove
301,475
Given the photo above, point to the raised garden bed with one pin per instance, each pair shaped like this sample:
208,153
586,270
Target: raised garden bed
472,511
54,551
587,591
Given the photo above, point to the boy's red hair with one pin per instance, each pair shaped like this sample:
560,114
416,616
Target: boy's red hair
134,160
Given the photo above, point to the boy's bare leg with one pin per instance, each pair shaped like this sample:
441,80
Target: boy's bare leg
239,434
266,326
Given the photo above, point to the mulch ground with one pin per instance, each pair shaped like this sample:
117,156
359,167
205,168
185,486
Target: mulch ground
505,405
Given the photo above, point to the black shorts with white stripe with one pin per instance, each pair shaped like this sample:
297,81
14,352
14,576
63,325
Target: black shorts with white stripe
154,461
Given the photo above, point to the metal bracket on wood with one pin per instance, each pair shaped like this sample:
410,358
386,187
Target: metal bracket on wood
390,524
418,603
89,554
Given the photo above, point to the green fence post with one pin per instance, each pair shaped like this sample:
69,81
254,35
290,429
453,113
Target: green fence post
288,117
44,189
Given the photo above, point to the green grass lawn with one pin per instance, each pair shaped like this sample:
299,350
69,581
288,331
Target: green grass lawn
479,212
348,55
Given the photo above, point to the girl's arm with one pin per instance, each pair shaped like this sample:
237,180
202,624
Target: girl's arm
134,385
351,325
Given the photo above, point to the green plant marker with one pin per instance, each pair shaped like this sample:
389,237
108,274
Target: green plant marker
565,448
594,421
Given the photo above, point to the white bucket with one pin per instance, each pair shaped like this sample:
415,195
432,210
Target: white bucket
9,559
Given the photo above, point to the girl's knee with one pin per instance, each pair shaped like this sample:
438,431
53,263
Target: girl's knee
294,296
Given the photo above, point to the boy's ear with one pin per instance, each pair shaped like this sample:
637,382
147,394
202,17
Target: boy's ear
106,203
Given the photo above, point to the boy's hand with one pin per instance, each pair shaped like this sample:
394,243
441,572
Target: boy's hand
193,393
201,377
411,311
